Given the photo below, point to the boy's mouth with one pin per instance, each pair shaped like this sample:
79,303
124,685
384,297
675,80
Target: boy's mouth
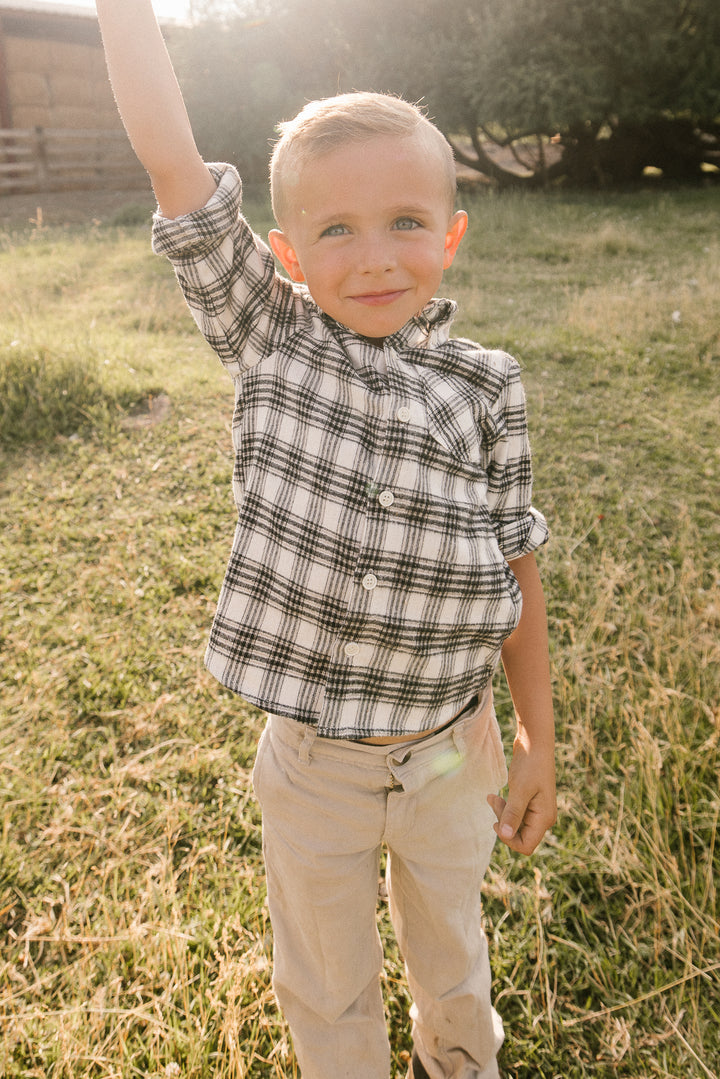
379,299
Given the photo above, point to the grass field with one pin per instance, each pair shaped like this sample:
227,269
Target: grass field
135,939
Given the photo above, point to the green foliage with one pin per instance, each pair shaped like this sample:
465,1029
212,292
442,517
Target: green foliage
555,64
245,72
43,395
619,86
66,368
623,86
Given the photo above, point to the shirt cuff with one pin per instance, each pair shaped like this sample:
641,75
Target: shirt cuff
524,536
197,233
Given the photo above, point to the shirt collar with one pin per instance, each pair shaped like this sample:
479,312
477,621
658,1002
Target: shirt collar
427,330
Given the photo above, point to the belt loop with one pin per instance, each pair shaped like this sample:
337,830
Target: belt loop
306,745
459,740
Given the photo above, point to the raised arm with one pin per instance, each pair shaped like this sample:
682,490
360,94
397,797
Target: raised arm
151,105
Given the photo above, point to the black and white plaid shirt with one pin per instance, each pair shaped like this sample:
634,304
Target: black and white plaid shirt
380,493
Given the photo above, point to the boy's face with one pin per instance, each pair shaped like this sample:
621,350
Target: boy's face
370,231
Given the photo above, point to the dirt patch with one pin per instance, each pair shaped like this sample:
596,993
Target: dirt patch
149,412
71,207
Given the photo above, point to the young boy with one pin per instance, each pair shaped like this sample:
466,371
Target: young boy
382,556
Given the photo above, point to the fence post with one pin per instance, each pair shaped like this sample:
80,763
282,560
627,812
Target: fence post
40,157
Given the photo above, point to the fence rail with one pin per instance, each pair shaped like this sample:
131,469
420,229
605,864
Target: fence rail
57,159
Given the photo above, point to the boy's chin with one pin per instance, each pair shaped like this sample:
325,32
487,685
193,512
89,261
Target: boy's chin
375,330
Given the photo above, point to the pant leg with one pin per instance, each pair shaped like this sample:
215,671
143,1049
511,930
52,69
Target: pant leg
322,829
440,842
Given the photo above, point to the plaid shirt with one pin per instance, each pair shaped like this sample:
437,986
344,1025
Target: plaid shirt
380,493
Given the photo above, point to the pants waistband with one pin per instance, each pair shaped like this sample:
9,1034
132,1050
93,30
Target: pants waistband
304,736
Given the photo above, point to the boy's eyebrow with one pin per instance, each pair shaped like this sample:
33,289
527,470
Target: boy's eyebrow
400,210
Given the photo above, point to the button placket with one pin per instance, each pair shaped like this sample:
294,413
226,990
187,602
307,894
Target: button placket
384,497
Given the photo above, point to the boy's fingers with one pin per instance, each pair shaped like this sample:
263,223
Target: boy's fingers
512,827
508,819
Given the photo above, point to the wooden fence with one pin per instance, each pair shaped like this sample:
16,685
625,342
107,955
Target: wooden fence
58,159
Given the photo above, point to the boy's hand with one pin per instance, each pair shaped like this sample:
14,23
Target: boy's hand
530,808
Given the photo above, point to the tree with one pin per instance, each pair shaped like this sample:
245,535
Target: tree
616,85
528,91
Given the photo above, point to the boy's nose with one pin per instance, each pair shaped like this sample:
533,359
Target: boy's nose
375,256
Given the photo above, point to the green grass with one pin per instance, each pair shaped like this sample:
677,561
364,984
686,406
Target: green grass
135,934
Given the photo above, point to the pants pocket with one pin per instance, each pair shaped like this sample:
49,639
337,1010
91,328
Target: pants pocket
256,775
496,752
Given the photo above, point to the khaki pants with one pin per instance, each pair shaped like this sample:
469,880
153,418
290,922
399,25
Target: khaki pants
328,808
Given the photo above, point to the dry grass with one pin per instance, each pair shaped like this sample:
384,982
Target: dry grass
136,939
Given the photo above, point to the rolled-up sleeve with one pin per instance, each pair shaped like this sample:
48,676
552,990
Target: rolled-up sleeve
242,306
519,527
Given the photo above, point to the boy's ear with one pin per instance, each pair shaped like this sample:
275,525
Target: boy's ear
455,233
285,254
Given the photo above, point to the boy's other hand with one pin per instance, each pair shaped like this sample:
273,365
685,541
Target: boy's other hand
530,808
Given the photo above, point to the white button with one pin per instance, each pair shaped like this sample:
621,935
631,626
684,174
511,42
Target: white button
369,581
352,649
386,498
403,414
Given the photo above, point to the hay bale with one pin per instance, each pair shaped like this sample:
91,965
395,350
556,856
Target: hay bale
72,116
30,116
27,54
72,89
29,88
71,56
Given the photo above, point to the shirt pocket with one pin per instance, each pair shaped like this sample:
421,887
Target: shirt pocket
459,419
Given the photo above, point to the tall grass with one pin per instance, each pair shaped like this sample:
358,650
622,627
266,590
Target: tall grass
135,934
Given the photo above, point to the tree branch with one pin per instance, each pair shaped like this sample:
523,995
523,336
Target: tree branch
483,163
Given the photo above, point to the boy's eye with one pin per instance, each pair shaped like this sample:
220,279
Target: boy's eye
406,223
335,230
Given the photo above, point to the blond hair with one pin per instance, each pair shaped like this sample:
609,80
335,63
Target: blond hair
324,125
